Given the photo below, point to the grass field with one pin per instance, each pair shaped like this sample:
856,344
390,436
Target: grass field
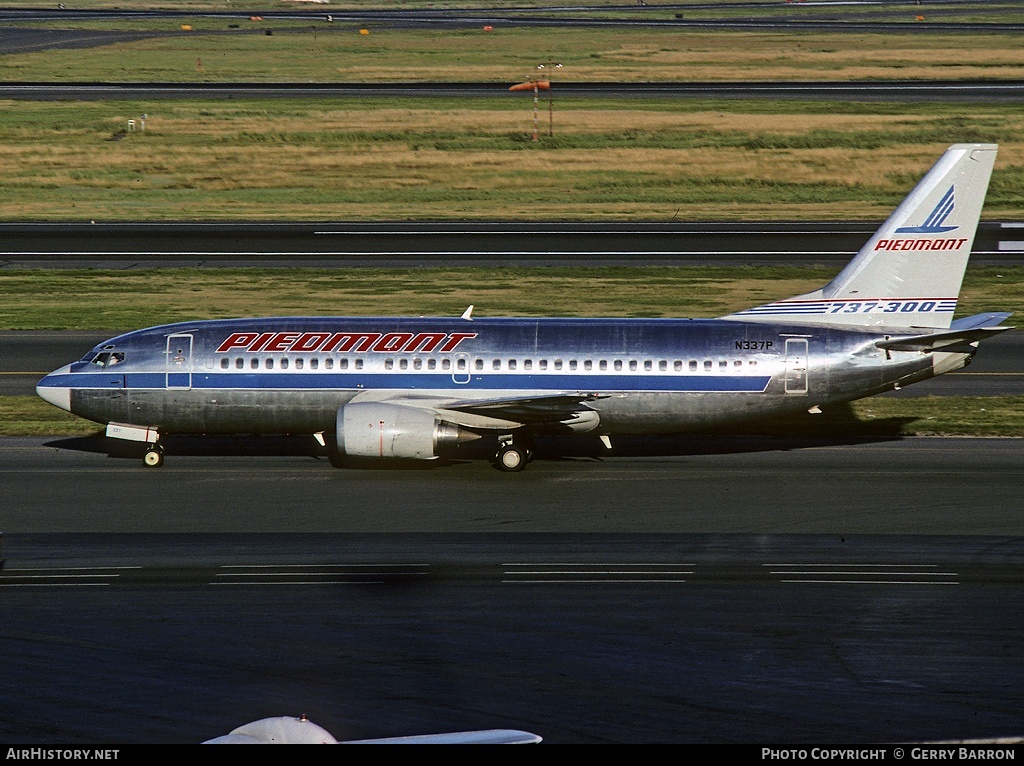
474,158
129,299
282,159
226,50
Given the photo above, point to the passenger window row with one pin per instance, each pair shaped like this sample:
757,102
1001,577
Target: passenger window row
496,364
285,362
604,365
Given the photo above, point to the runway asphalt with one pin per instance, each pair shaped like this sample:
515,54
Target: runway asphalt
327,244
738,591
691,485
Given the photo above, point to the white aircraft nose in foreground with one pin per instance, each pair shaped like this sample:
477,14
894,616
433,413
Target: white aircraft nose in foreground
286,730
420,388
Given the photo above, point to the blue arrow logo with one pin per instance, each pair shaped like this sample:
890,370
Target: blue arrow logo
933,223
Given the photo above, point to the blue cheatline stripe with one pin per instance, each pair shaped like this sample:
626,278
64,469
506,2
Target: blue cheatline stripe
788,308
292,381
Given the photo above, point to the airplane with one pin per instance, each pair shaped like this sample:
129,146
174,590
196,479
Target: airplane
288,730
419,388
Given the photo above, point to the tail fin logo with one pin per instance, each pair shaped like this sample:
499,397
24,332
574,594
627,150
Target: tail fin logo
933,224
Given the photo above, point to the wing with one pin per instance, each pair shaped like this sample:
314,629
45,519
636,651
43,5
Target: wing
565,411
530,410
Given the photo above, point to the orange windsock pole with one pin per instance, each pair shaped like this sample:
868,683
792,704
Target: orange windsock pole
535,86
532,85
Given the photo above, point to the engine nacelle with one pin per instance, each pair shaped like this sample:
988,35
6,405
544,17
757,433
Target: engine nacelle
379,429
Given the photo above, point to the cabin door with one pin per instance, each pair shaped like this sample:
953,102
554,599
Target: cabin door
179,361
796,365
460,369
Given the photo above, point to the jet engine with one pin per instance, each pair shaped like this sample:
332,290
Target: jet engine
380,429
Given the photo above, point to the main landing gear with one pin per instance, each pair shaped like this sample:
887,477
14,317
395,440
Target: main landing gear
512,455
154,457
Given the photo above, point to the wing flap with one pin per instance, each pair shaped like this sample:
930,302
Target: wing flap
528,410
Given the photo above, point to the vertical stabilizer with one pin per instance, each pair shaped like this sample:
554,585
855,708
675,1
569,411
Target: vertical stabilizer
909,273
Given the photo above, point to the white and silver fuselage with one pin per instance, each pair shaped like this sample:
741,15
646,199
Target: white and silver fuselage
291,375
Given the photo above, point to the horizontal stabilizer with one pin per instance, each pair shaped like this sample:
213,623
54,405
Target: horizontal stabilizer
967,330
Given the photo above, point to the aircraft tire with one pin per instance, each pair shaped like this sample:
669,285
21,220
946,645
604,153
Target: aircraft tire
511,458
154,458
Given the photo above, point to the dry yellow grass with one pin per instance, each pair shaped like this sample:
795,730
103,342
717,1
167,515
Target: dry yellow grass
133,298
222,121
465,158
660,55
789,56
361,161
214,52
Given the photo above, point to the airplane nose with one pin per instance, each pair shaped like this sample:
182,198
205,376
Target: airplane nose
54,389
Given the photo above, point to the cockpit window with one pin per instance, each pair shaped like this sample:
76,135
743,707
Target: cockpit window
107,358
